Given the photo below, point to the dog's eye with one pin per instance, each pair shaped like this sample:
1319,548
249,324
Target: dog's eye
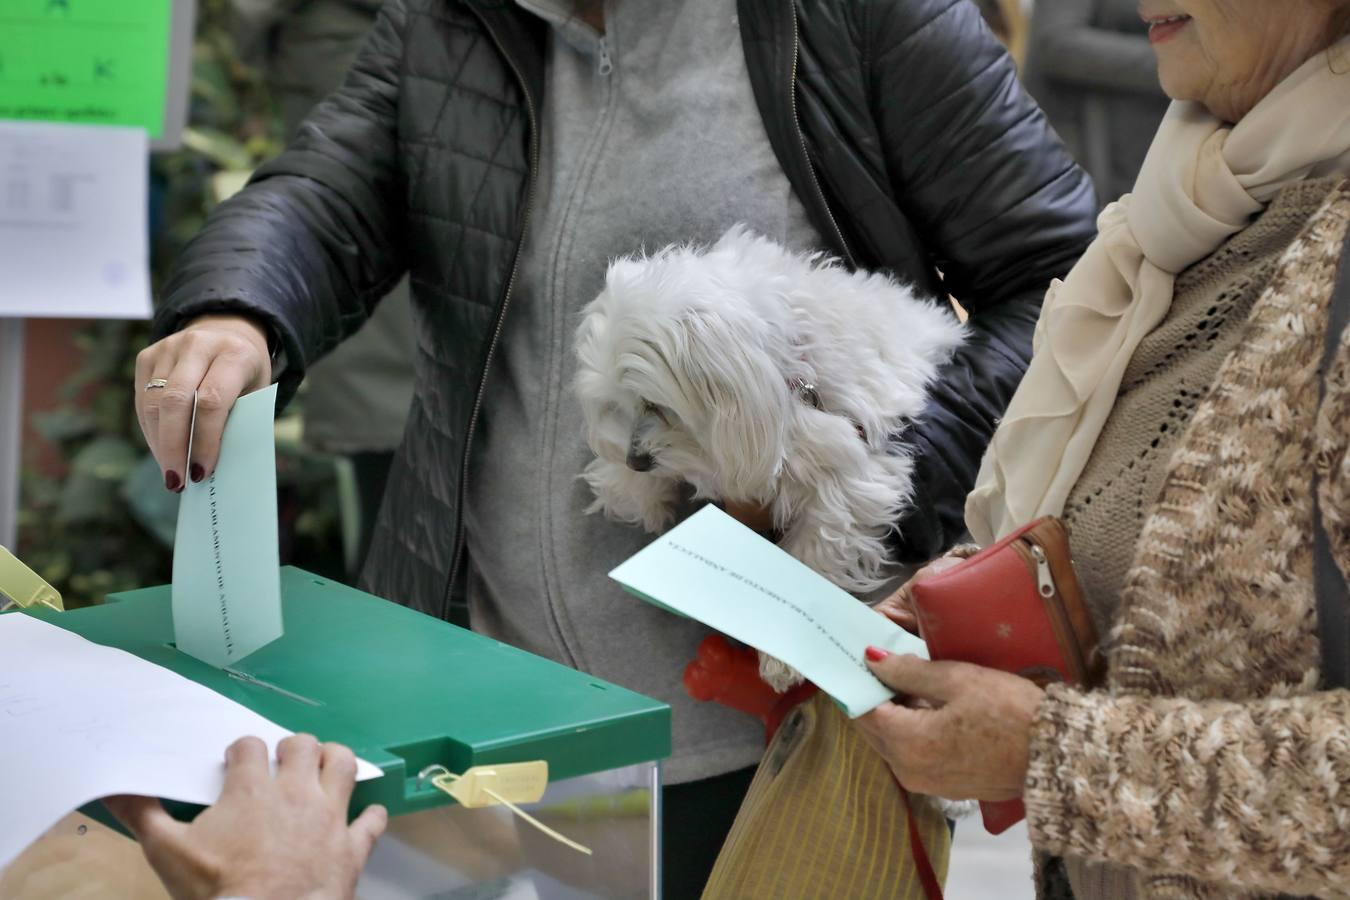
650,408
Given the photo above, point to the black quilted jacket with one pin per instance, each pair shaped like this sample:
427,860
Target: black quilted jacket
906,136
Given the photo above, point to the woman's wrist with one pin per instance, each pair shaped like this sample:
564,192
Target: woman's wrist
1028,704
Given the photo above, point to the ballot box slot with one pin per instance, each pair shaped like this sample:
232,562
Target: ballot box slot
257,682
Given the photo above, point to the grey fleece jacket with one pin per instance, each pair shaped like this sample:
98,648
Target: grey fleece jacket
650,136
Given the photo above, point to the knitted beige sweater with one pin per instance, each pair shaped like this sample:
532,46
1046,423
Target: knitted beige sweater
1167,377
1210,761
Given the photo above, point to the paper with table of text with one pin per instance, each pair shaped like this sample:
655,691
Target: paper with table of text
73,221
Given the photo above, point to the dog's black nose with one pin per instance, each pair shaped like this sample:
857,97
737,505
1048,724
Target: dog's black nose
640,462
640,459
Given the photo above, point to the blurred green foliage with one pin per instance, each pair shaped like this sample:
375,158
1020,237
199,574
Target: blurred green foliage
105,524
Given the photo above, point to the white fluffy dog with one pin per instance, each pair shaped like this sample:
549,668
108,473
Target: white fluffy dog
760,376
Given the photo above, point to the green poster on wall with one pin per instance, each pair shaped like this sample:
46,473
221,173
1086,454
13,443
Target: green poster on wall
90,62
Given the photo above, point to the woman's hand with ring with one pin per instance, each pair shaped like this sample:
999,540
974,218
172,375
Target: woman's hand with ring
215,358
967,735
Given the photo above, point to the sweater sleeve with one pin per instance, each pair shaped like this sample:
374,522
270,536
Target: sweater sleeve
1253,793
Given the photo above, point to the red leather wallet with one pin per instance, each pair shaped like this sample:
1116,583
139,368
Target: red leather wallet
1015,606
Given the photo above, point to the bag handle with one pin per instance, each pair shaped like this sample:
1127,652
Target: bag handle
923,866
1333,596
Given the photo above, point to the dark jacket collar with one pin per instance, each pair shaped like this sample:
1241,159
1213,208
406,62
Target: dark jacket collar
521,36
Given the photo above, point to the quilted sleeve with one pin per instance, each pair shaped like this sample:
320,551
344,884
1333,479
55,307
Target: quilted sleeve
311,244
1001,207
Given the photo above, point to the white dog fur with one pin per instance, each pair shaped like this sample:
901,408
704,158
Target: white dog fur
696,367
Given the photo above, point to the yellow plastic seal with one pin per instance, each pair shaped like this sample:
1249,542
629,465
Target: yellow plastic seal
501,785
490,785
24,586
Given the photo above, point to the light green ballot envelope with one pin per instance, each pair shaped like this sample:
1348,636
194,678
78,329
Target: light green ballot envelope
226,567
714,569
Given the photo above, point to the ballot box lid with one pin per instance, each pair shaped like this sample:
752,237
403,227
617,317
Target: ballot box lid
402,689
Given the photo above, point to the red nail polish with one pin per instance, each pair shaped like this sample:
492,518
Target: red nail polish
196,472
876,654
172,481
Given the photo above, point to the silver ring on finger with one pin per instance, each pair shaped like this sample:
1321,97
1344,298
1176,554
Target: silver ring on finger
156,384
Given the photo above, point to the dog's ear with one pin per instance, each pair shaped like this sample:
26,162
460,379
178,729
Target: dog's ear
746,399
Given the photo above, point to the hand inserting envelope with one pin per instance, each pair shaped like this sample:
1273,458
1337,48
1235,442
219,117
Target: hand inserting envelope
226,568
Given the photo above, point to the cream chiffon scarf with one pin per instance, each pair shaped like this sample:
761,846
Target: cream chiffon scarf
1201,183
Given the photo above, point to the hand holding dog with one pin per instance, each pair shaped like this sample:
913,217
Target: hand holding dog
753,516
971,738
899,606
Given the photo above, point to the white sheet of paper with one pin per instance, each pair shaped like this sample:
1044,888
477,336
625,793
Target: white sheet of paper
80,721
226,565
74,229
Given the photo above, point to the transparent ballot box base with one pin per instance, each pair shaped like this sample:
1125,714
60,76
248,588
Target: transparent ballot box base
81,859
447,853
490,853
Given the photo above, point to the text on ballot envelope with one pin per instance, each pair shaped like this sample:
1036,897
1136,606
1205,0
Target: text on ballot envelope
714,569
226,566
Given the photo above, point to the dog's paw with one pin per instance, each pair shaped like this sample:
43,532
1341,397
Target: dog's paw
630,497
778,675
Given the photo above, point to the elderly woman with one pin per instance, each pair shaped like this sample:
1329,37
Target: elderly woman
1174,415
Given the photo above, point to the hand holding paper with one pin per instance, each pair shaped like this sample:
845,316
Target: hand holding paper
79,721
271,834
713,569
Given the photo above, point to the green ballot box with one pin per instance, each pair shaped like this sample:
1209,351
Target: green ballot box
426,701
